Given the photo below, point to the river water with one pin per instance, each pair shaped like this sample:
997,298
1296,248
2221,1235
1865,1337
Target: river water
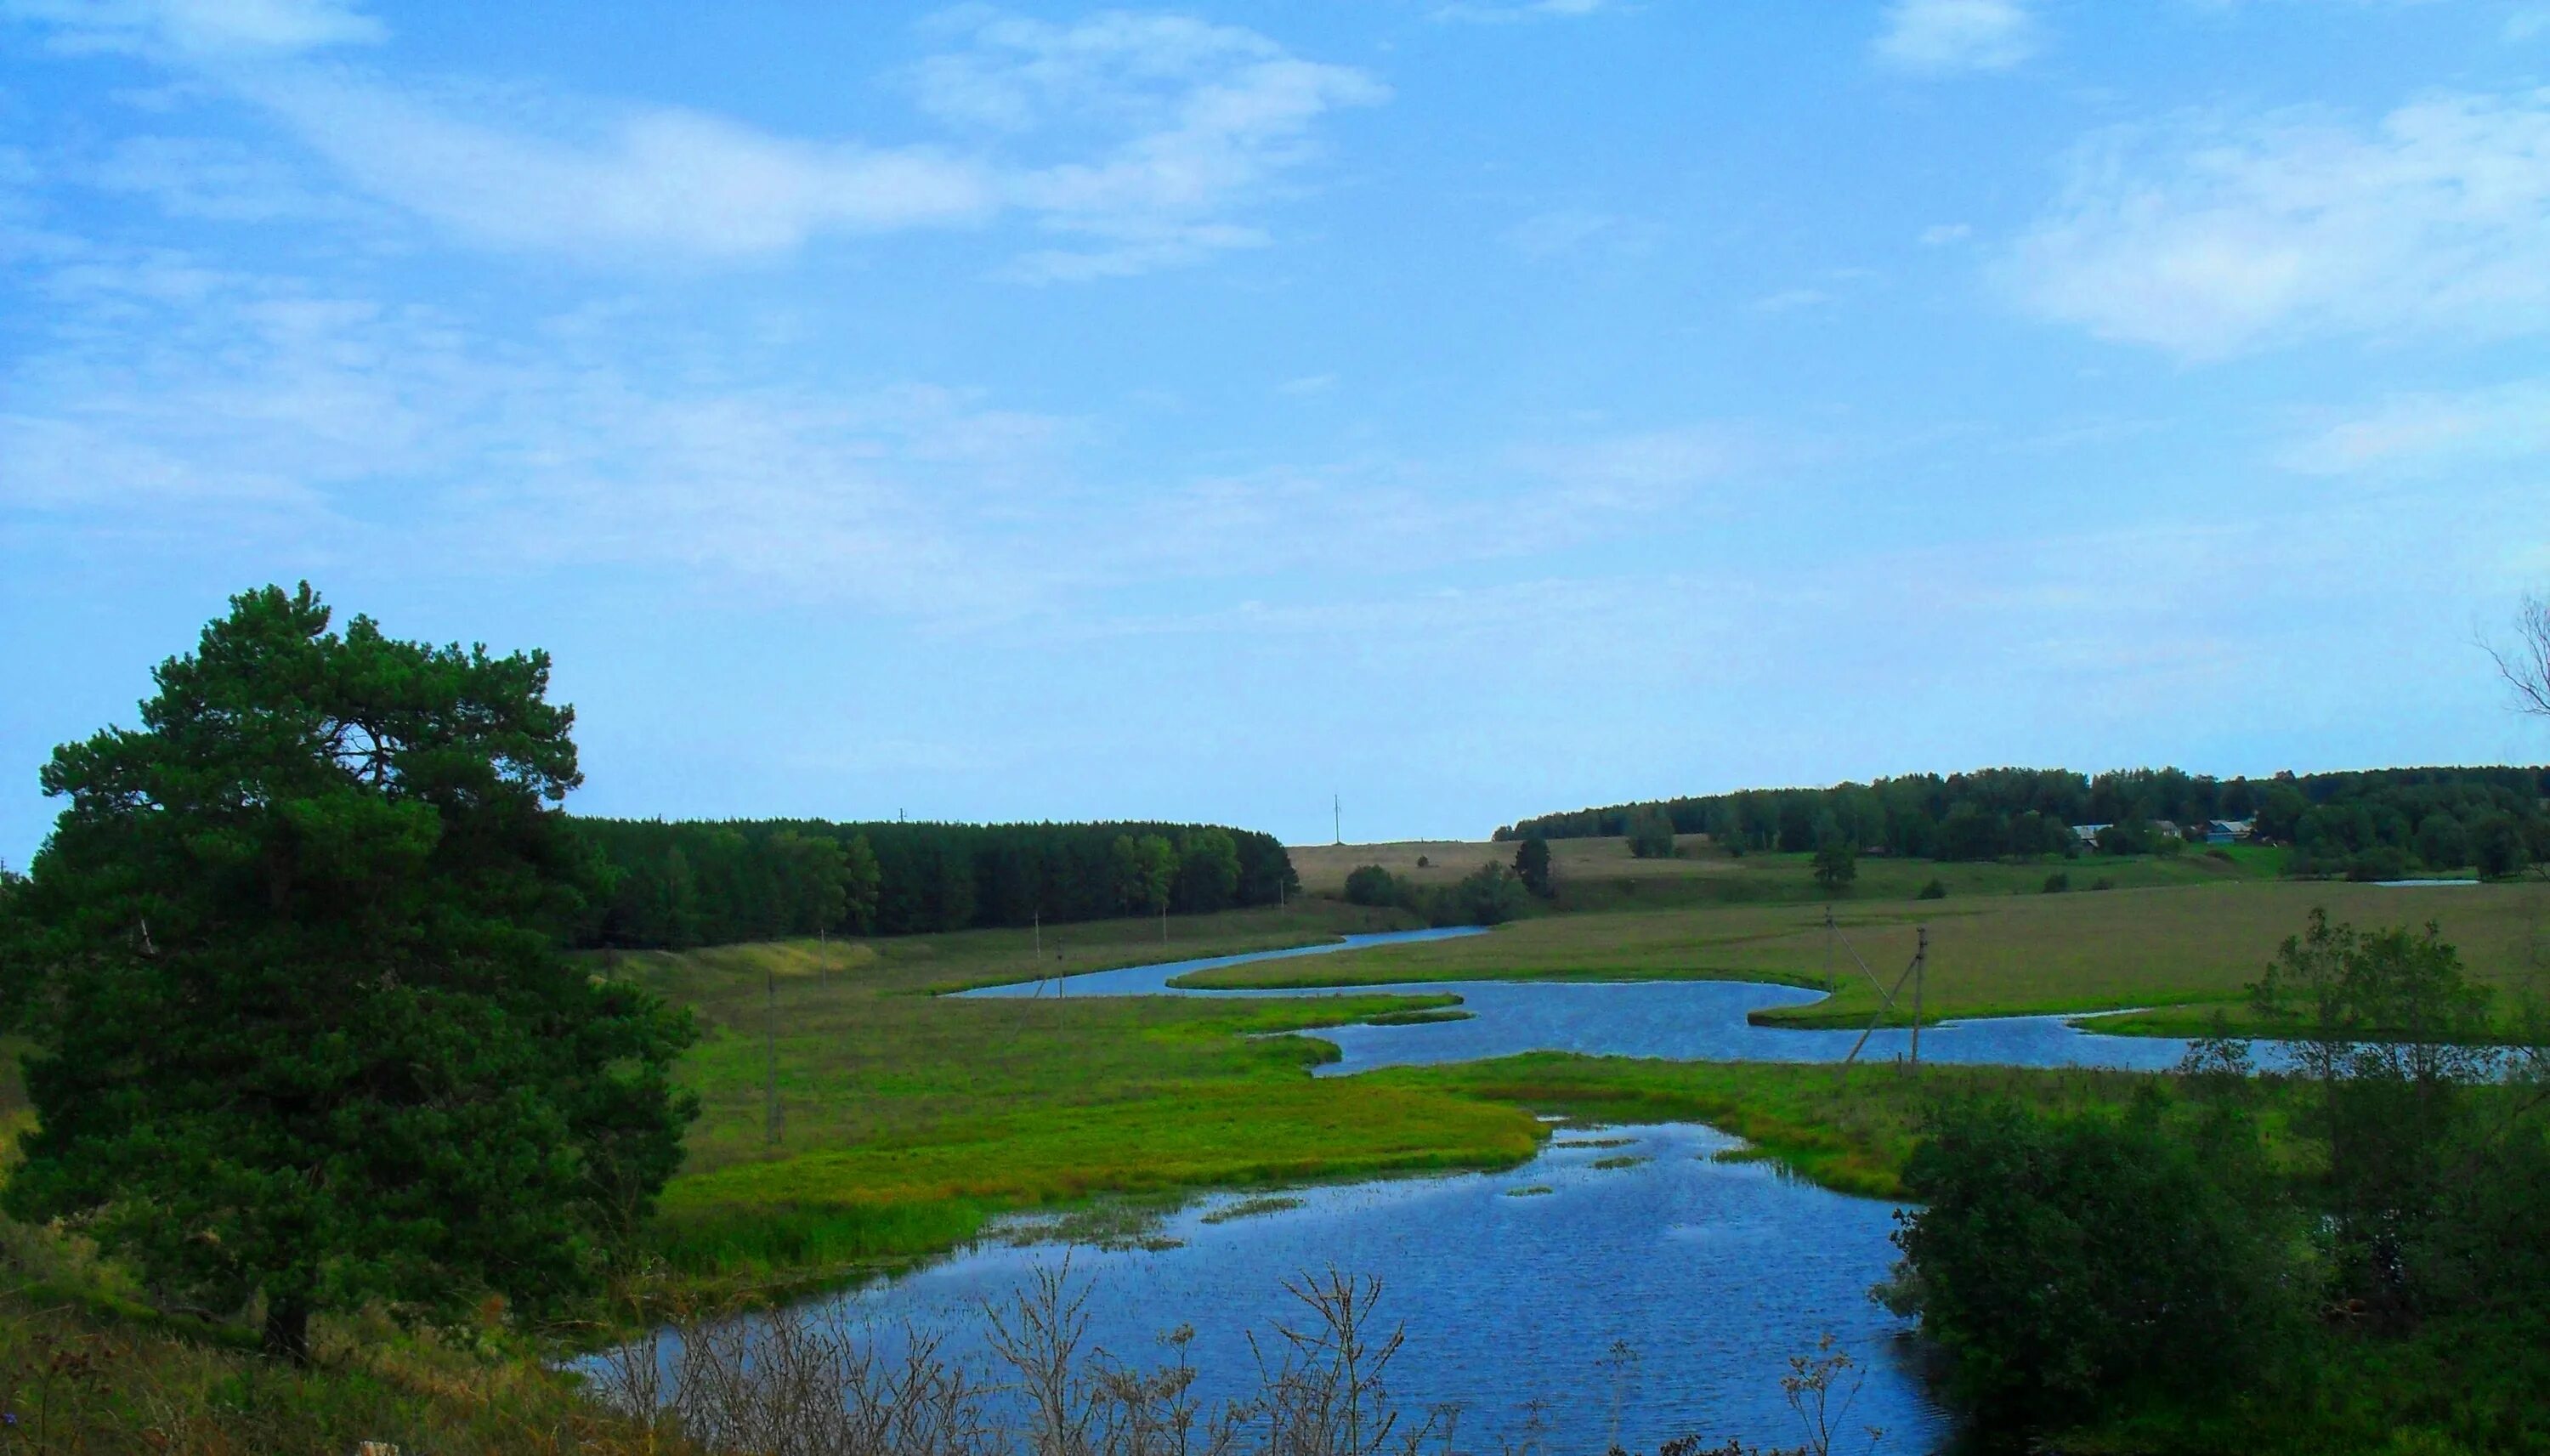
1659,1296
1687,1020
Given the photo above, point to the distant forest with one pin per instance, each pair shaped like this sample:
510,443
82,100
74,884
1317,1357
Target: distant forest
2442,818
686,884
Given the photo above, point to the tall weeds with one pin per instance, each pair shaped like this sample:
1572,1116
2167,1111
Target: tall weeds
786,1385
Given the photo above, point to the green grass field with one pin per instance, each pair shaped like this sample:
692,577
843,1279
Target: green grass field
1998,945
1602,874
910,1117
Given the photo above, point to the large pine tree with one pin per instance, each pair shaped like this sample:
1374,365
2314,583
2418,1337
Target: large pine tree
307,1033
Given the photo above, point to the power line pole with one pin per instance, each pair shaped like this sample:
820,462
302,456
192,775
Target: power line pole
1828,940
1038,923
1921,972
1336,819
771,1125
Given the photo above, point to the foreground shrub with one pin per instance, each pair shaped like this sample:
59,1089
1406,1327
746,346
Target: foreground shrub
2072,1267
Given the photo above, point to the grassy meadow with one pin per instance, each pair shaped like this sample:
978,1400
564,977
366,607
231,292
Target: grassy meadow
910,1117
1847,1128
2182,935
1602,874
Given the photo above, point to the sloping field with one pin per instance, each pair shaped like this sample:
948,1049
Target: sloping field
2191,945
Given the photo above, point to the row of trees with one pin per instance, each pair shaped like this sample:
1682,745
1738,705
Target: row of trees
2164,1269
685,884
2444,817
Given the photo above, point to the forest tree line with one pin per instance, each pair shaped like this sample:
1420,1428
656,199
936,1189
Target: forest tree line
692,883
2490,817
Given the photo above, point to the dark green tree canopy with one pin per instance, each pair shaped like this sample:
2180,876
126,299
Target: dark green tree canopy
307,1034
1531,865
2328,818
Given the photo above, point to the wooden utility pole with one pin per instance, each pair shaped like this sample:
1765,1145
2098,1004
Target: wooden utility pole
1038,923
1921,972
772,1127
1828,940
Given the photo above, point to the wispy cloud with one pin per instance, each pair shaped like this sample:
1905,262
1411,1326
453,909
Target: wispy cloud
1562,232
1790,300
203,29
1480,12
660,180
2427,431
1945,36
1130,140
1940,234
2213,239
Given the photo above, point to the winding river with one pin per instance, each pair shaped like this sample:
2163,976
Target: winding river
1687,1020
1636,1283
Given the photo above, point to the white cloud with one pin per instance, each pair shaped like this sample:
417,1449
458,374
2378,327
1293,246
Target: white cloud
1549,233
1129,138
1523,10
2214,240
2415,433
1940,234
1790,300
214,409
215,180
1193,120
1642,471
681,182
1941,37
203,29
1308,384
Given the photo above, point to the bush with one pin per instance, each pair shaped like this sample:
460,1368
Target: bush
2071,1267
2501,847
1651,834
2058,882
1490,895
1370,884
2382,862
1836,865
1935,890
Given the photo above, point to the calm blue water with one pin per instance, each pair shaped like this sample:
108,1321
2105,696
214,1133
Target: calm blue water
1673,1291
1663,1299
1685,1020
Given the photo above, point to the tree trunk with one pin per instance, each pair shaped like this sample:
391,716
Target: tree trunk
287,1328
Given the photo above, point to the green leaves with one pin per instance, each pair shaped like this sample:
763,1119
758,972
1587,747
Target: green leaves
2071,1267
307,1033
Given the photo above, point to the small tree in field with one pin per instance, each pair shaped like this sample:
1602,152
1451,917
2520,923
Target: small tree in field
307,1035
1651,834
1836,865
1531,865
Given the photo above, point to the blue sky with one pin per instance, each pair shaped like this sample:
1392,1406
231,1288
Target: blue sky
1472,410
